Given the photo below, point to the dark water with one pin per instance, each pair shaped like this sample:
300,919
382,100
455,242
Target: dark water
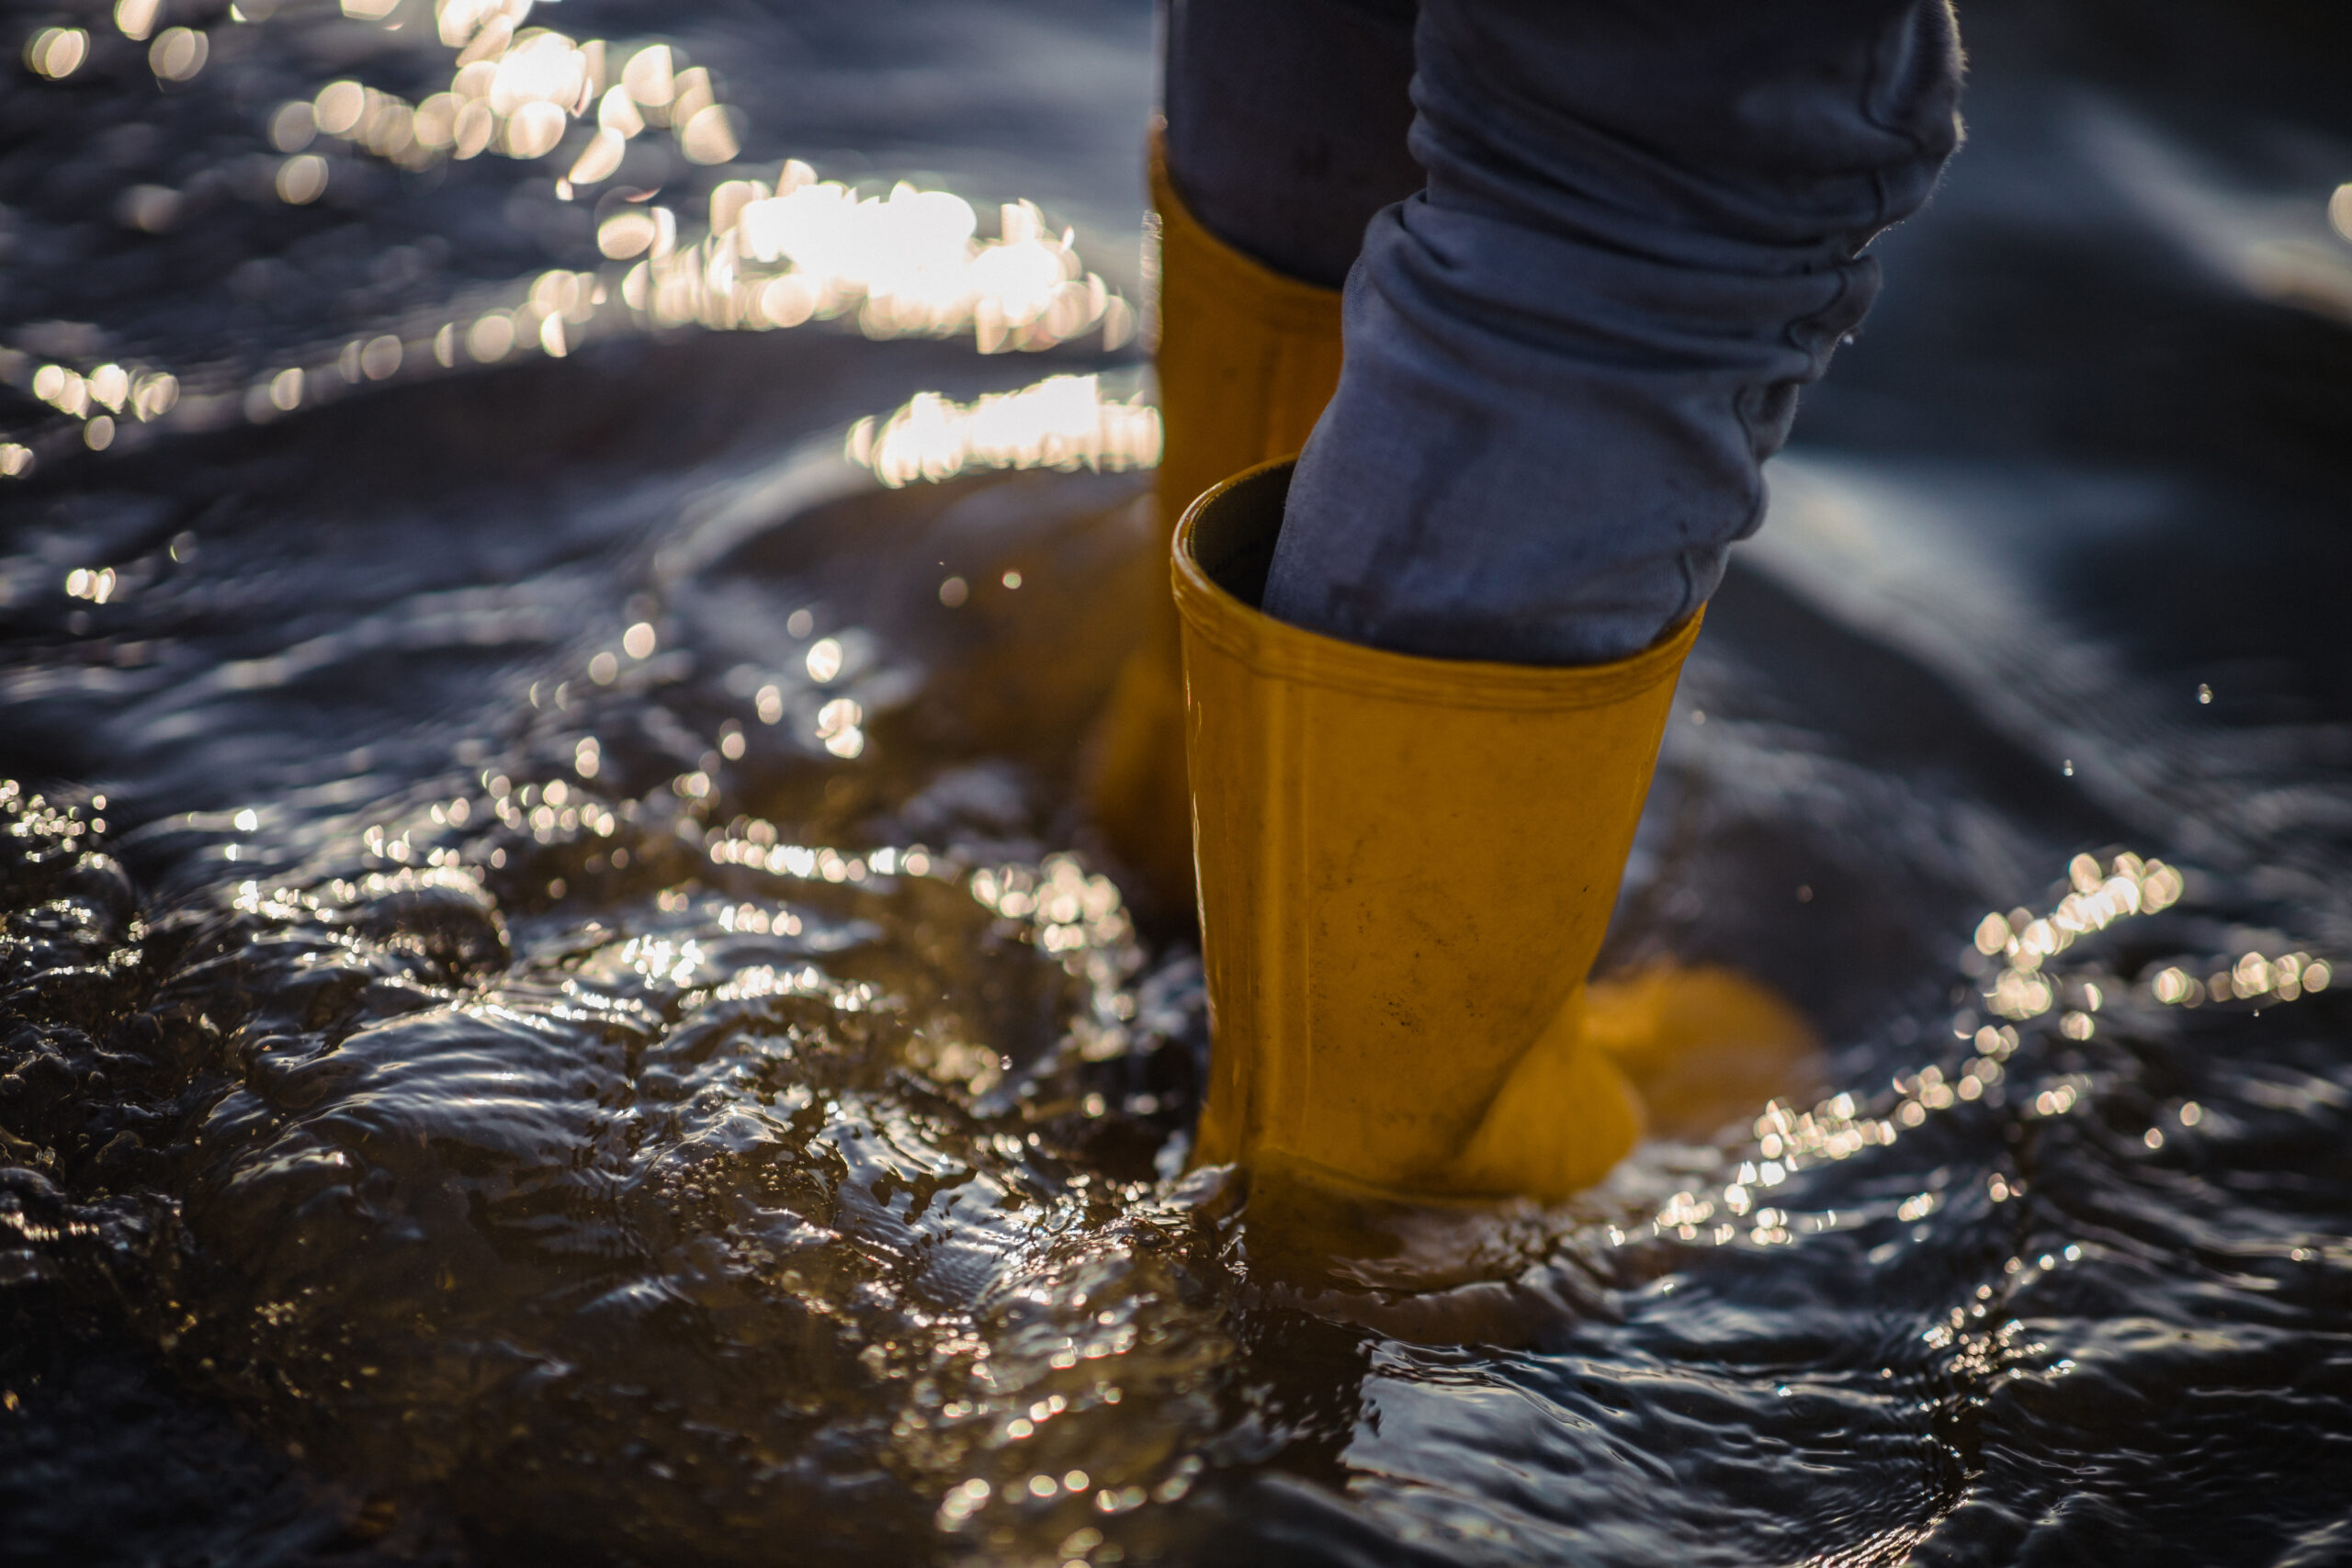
427,1136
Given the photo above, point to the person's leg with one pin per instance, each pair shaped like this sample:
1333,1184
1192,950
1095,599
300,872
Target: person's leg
1285,132
1286,124
1423,731
1567,360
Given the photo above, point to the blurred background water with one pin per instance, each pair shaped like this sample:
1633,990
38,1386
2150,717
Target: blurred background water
555,1003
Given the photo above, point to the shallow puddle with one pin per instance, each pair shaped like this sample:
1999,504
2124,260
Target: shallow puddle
556,1003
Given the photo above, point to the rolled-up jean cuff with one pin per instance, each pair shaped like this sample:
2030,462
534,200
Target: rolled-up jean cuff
1568,357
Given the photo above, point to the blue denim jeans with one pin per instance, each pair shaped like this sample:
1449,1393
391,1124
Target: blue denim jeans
1579,299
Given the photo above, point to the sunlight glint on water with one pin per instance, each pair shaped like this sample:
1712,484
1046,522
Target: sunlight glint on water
554,1000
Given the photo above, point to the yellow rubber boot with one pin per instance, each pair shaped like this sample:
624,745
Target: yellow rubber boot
1406,869
1246,359
1705,1046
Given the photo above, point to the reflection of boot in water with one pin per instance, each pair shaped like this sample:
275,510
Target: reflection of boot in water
1246,359
1407,868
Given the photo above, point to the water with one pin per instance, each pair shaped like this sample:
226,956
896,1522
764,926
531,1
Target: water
769,1148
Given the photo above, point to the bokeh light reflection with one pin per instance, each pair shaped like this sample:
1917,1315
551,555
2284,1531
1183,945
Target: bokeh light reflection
1063,421
781,246
2024,992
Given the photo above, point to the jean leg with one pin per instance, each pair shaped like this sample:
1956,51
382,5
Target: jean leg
1567,360
1287,123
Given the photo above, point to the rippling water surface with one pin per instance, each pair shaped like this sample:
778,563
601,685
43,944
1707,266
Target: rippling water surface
555,1003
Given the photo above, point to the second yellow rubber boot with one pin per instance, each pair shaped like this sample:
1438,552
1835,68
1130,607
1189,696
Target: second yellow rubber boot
1247,358
1406,869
